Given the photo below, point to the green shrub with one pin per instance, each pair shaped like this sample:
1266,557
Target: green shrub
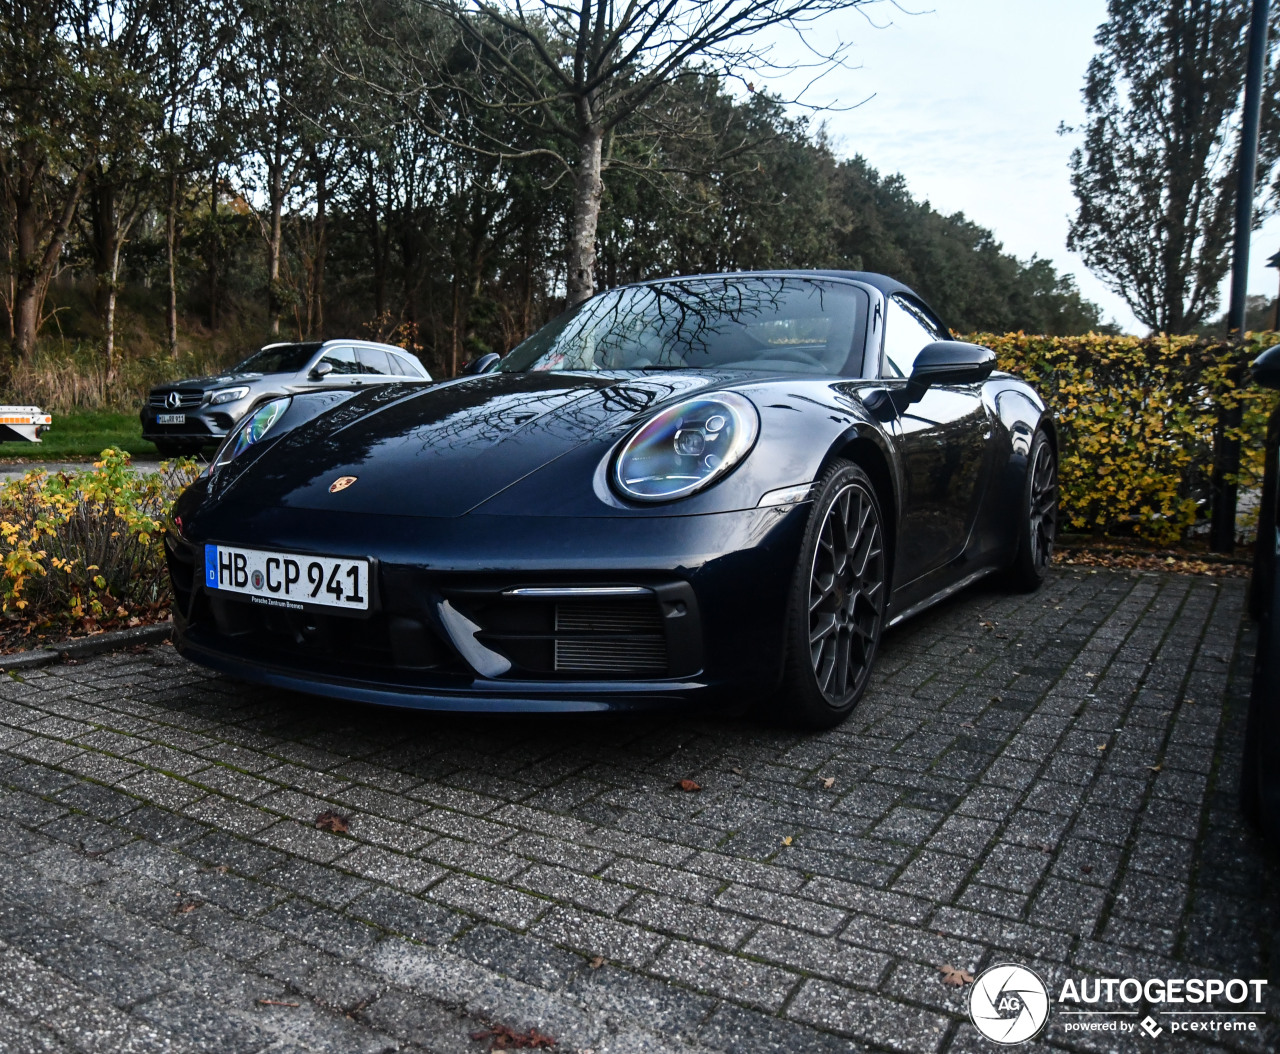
1137,417
87,546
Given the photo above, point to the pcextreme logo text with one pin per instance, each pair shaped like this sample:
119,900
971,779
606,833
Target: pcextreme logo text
1010,1004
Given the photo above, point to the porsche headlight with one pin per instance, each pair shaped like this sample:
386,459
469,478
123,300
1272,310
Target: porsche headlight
249,431
228,395
686,447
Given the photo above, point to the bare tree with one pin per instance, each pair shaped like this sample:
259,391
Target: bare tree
579,72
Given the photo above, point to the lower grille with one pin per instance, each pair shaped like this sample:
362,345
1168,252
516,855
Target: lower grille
620,637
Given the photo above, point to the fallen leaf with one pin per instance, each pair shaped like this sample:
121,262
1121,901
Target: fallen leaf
597,962
736,771
332,821
967,724
1155,768
829,782
786,840
956,978
688,785
186,906
222,869
503,1037
275,1002
1102,746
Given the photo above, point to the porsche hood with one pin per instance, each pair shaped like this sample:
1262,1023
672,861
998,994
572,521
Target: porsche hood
441,451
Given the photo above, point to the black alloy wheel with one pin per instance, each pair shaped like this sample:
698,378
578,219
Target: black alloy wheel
838,600
1038,525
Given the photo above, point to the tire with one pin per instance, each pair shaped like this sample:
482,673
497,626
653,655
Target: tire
1037,519
837,604
1260,767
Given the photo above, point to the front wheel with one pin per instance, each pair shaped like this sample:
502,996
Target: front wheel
837,601
1037,518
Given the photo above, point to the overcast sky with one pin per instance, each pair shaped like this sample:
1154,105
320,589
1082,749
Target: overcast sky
966,100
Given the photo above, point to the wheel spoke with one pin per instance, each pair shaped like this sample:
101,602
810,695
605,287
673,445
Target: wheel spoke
823,629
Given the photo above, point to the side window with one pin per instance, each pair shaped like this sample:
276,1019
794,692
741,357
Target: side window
373,360
397,364
905,334
412,367
343,361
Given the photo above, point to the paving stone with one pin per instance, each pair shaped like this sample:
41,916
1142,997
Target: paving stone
741,980
869,1018
149,899
821,956
392,869
595,935
489,900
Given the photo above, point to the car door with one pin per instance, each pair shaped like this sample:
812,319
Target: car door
373,364
942,439
346,369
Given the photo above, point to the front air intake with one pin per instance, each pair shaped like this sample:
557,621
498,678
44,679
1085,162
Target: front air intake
613,637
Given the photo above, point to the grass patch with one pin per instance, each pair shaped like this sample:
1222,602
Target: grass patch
83,436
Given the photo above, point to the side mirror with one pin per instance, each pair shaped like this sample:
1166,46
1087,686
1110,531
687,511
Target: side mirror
320,371
1266,368
952,362
483,364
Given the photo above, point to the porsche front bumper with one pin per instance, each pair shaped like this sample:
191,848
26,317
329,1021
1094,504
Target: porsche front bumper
508,614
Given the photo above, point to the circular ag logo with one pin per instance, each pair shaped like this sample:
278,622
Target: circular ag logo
1008,1003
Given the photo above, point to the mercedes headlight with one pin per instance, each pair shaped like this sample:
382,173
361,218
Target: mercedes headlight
228,395
686,447
249,431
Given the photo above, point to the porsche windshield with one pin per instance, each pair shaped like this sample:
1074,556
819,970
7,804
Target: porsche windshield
750,323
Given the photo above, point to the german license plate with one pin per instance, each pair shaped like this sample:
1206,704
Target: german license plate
171,419
288,580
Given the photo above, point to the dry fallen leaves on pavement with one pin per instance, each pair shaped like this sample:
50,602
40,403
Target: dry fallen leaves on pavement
956,977
332,821
503,1037
688,785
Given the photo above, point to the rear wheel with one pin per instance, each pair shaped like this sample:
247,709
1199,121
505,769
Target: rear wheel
837,601
1038,518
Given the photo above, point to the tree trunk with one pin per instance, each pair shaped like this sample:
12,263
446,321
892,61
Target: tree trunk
317,275
212,249
171,248
36,265
580,282
274,239
103,200
375,243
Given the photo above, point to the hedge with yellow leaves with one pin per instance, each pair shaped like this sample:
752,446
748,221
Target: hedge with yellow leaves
1136,417
87,546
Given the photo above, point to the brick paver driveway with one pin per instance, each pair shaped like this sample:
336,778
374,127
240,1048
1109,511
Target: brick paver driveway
1046,780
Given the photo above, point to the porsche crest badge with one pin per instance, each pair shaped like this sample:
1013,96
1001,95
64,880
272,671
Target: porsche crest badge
341,483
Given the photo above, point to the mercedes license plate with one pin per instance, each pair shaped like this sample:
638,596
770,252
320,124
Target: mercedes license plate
288,580
171,419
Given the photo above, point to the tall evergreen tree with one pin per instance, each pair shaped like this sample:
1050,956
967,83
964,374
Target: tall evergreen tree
1155,175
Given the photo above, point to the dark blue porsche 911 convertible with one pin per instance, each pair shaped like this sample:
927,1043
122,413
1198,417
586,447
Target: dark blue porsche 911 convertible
715,487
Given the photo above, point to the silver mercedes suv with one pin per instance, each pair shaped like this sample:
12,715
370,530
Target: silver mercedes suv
185,416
